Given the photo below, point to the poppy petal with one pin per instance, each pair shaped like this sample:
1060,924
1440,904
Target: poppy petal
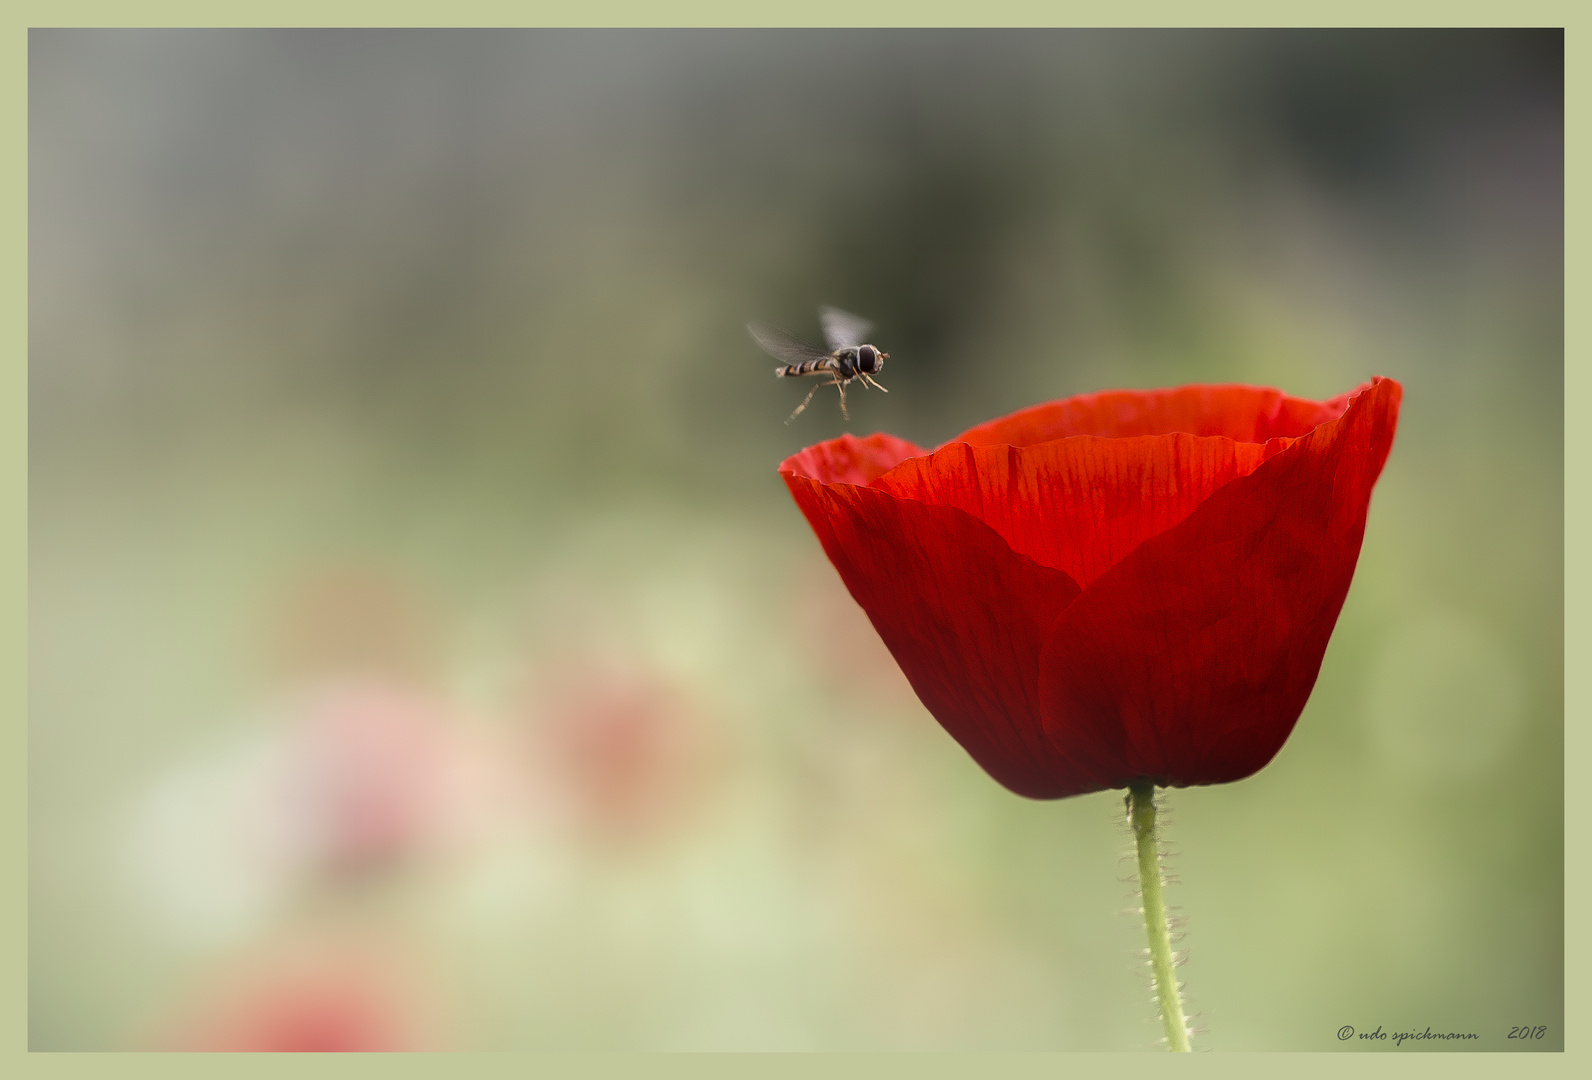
1245,413
963,614
1190,660
850,460
1078,505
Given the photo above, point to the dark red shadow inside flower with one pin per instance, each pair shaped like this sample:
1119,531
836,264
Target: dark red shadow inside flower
1124,585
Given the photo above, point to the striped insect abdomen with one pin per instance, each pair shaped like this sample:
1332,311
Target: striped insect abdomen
806,367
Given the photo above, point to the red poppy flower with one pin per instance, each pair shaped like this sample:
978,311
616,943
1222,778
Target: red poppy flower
1118,586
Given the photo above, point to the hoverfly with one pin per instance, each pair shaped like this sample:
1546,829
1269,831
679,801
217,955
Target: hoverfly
848,359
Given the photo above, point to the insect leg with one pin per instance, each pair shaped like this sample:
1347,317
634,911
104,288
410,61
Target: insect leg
805,400
870,382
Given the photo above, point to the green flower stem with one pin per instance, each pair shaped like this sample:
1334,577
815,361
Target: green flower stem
1141,810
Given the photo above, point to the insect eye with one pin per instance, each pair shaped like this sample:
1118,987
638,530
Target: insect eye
867,358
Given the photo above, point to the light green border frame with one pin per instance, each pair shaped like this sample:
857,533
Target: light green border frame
1145,13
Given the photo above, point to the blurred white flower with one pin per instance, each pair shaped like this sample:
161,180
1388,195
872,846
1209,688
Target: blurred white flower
342,780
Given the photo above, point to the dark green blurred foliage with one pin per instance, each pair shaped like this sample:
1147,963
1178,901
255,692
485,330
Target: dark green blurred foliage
418,358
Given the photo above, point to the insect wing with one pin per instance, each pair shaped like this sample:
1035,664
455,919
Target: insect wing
782,345
842,329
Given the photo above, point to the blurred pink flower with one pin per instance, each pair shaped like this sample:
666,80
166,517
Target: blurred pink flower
304,1002
347,621
367,773
628,751
348,779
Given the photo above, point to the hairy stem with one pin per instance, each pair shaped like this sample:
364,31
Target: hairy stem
1141,810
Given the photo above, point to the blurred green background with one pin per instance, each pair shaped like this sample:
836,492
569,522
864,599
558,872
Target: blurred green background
425,652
